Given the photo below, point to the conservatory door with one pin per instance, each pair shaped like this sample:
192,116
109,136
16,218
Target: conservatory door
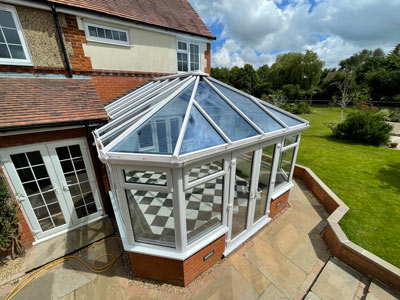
54,184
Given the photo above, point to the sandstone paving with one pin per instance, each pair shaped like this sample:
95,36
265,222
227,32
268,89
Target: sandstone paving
337,281
273,293
379,291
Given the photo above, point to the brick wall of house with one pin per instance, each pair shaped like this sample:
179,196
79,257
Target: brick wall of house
208,58
113,84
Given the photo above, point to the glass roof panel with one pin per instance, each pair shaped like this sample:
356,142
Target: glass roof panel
289,121
159,134
252,110
199,134
231,123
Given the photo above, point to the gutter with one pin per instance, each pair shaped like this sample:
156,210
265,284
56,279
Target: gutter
60,37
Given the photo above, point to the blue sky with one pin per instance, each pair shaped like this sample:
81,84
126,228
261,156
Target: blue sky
255,31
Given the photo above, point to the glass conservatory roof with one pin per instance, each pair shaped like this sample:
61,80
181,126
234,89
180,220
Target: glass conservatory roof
184,113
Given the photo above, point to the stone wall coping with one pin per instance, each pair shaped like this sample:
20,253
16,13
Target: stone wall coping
334,219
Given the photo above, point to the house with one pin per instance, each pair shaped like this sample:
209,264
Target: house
60,62
107,108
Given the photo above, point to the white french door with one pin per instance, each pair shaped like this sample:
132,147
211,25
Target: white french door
250,192
54,184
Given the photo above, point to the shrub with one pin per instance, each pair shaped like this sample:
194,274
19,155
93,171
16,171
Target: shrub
9,227
301,108
384,113
395,115
363,127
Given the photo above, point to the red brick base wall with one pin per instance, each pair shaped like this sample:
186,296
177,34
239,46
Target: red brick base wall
176,271
207,56
279,204
27,237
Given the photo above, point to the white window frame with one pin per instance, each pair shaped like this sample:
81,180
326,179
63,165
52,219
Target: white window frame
12,61
187,52
106,40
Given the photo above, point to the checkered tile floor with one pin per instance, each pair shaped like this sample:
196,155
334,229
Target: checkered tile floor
157,178
203,205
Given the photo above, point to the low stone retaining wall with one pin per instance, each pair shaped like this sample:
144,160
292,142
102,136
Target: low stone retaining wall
358,258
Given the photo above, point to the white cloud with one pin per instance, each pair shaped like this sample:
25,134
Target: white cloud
254,29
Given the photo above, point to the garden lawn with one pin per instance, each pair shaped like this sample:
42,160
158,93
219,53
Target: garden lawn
366,178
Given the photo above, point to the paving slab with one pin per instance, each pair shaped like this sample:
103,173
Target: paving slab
228,284
380,291
272,293
312,296
337,281
284,274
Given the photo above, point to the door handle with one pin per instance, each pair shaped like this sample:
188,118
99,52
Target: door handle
65,187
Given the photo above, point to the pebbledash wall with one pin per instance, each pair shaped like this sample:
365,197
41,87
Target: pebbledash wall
115,69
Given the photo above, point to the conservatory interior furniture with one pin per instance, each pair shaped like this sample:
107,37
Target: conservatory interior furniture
196,168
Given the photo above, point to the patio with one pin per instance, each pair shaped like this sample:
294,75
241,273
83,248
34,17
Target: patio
285,260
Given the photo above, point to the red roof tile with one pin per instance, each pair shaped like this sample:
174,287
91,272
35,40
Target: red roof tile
39,101
173,14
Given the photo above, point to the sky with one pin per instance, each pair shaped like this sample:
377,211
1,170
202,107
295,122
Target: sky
255,31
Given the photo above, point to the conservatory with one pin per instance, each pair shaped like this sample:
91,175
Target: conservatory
196,168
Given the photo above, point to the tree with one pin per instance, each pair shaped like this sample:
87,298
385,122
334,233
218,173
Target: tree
378,52
296,68
353,62
348,92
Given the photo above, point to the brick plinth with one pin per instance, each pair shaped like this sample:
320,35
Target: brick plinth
175,271
279,204
207,56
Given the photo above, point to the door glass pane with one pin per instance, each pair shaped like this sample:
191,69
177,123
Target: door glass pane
263,182
244,163
78,183
40,192
284,167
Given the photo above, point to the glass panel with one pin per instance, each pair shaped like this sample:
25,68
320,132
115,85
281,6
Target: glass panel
263,182
40,172
290,140
4,53
92,31
182,62
25,174
122,36
19,160
162,136
182,46
50,197
6,19
145,177
194,57
75,174
35,158
233,125
289,121
244,164
252,110
174,109
204,208
2,40
36,201
46,224
115,35
100,32
152,217
11,36
17,52
108,34
284,167
205,170
199,134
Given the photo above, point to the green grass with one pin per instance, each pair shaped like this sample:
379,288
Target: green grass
366,178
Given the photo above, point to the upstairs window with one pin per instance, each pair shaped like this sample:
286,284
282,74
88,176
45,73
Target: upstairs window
188,56
105,34
13,48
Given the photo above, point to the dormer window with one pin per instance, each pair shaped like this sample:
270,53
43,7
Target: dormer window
13,48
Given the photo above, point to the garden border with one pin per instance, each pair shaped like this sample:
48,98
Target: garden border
341,247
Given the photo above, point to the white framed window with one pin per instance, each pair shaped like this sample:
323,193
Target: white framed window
106,34
13,47
188,56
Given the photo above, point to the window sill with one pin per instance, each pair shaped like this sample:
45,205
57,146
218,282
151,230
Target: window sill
109,43
281,190
16,63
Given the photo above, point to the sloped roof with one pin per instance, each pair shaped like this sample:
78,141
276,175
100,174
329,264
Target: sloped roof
190,113
173,14
39,101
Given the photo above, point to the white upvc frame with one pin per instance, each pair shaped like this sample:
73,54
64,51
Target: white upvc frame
187,52
28,58
57,179
106,40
